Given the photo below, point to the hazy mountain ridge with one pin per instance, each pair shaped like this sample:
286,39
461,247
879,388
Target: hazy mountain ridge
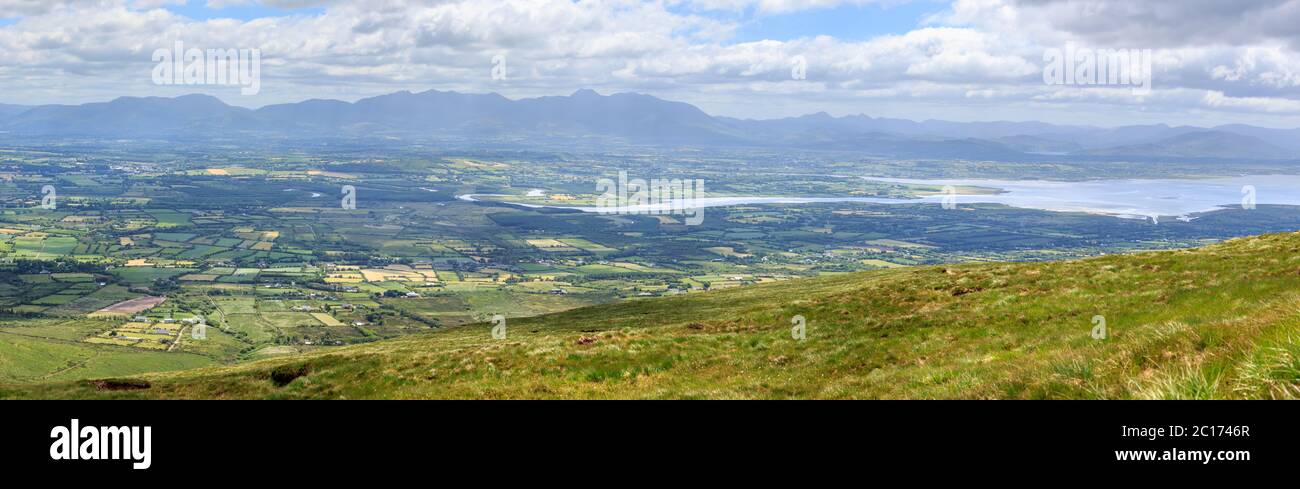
635,118
7,110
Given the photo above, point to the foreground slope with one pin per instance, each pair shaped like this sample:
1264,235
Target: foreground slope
1216,322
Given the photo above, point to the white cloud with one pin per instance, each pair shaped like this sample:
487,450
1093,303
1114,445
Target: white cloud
1218,100
978,52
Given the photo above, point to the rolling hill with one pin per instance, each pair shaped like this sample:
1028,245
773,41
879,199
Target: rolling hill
1201,144
1214,322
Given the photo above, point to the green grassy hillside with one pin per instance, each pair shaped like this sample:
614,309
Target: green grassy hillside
1216,322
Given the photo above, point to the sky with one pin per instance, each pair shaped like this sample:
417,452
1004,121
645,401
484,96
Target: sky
1212,61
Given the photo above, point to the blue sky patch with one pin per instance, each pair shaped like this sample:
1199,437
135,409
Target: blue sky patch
199,10
846,22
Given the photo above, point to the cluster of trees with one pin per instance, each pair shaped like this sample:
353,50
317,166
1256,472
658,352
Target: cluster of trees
61,265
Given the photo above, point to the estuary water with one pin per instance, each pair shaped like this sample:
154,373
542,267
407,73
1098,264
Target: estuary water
1131,198
699,203
1127,198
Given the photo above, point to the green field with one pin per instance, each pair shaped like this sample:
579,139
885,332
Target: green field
26,359
1225,328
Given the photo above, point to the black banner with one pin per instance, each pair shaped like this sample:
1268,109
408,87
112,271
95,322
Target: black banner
357,438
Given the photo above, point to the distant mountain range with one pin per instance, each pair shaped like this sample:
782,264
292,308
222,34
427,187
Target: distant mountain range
11,110
636,118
